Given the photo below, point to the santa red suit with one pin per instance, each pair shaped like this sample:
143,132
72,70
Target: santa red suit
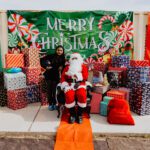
73,81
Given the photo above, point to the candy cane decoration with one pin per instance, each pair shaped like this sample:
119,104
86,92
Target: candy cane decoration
89,62
103,19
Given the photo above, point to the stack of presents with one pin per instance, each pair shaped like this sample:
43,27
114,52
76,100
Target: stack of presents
121,87
18,89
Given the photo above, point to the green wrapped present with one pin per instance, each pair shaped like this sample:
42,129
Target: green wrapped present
107,99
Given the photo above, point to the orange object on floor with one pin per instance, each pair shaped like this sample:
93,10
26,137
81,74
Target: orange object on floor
74,136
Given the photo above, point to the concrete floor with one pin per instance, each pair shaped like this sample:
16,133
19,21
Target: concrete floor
36,118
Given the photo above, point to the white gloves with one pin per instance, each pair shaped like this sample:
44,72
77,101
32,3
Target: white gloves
63,85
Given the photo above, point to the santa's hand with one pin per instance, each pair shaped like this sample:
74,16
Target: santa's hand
79,76
63,85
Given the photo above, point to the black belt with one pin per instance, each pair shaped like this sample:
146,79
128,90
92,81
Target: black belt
73,81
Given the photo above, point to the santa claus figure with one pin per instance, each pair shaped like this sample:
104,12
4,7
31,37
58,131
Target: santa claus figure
73,81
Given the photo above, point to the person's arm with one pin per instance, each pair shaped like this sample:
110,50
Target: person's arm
85,73
43,62
63,78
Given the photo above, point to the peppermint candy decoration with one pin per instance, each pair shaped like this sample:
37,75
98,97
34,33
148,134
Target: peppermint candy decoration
120,14
118,44
31,32
89,62
100,60
125,31
111,37
17,24
103,19
12,40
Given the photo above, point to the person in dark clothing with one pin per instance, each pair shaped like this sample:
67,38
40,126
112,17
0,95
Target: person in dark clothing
54,65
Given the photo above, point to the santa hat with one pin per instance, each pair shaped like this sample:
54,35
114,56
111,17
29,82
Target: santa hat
76,55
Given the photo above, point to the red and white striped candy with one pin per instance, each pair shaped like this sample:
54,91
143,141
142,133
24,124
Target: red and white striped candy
126,30
103,19
31,32
17,24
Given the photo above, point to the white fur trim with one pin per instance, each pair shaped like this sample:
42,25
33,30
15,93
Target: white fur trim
70,105
79,76
63,85
81,86
83,105
88,83
67,88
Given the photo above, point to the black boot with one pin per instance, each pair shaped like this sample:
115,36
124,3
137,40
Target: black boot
79,118
72,117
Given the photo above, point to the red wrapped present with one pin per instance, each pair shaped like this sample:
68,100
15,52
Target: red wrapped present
117,94
44,99
99,66
139,63
14,60
16,99
33,74
95,103
31,57
127,90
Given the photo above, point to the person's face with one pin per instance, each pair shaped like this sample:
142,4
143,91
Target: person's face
59,51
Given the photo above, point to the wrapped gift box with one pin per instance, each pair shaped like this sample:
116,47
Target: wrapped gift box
44,99
97,77
31,57
115,78
99,66
1,80
15,80
124,73
117,94
3,97
100,89
33,93
14,60
95,103
16,99
90,76
120,61
127,90
103,108
104,105
107,98
32,74
139,63
139,98
137,74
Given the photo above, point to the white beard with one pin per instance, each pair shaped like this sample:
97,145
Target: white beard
75,67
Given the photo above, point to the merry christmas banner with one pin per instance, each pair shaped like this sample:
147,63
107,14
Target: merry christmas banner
94,34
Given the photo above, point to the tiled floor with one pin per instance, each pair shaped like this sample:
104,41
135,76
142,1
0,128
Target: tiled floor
35,118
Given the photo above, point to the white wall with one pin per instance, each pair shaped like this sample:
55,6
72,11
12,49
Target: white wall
139,21
81,5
